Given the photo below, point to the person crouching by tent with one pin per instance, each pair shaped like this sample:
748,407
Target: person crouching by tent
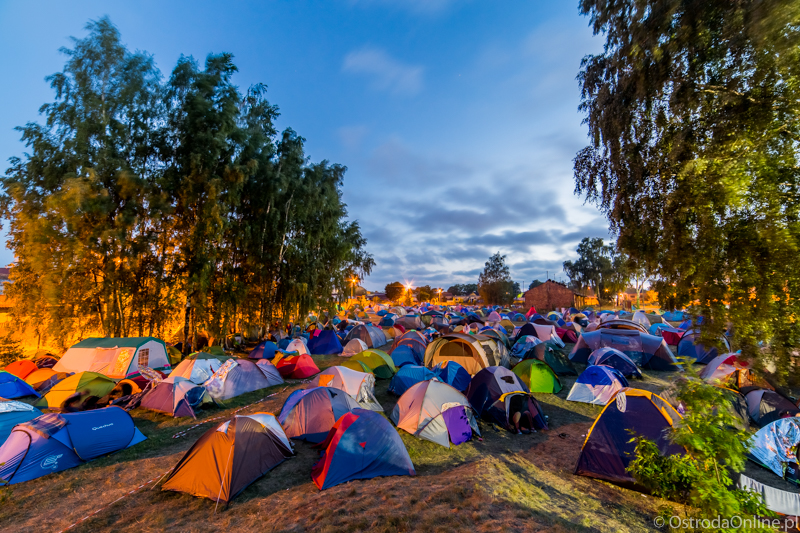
521,417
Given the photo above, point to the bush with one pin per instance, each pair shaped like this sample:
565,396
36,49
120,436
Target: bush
10,350
701,479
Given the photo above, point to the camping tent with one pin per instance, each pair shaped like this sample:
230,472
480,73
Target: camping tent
689,346
298,346
458,347
361,445
375,361
614,359
370,335
309,414
85,383
175,396
765,406
21,368
199,367
263,350
437,412
270,371
12,386
646,351
297,366
359,385
774,446
12,413
229,457
538,376
608,448
495,350
407,376
238,376
56,442
496,391
353,347
118,357
324,342
453,374
597,385
404,355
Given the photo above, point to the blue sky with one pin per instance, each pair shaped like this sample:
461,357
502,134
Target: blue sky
457,120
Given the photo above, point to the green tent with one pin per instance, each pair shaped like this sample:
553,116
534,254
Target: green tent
538,376
374,361
88,383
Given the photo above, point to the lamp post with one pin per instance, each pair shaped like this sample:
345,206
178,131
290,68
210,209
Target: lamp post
440,296
353,287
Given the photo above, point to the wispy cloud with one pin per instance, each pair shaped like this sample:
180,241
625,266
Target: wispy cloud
425,7
387,73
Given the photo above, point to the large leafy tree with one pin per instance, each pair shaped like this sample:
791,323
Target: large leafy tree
693,111
597,267
394,291
144,204
494,283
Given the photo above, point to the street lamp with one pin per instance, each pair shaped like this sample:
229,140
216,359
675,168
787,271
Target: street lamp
440,296
353,287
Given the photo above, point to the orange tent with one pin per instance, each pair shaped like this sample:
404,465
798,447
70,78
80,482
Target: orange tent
21,368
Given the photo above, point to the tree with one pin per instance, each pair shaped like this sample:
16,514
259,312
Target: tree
424,293
716,447
494,283
693,112
394,291
594,267
142,202
463,289
535,283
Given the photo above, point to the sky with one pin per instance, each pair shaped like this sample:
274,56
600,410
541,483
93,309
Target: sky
457,120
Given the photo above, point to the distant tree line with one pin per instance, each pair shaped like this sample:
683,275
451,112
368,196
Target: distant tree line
142,198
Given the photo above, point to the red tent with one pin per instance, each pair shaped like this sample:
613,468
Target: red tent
531,312
21,368
297,367
567,335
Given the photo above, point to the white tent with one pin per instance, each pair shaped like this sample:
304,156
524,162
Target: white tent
117,358
359,385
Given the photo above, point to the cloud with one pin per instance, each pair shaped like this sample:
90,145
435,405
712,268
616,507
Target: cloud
352,136
425,7
387,73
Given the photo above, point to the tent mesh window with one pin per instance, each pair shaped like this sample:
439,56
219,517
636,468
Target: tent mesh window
144,357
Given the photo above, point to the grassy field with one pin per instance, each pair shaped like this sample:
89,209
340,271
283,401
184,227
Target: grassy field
503,482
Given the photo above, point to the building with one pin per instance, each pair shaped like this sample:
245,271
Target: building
552,295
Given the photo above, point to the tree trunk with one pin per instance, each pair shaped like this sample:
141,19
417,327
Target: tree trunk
187,315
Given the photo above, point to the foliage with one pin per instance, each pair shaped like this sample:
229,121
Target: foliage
463,289
142,200
715,447
535,283
494,283
10,350
395,290
693,111
424,293
598,266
